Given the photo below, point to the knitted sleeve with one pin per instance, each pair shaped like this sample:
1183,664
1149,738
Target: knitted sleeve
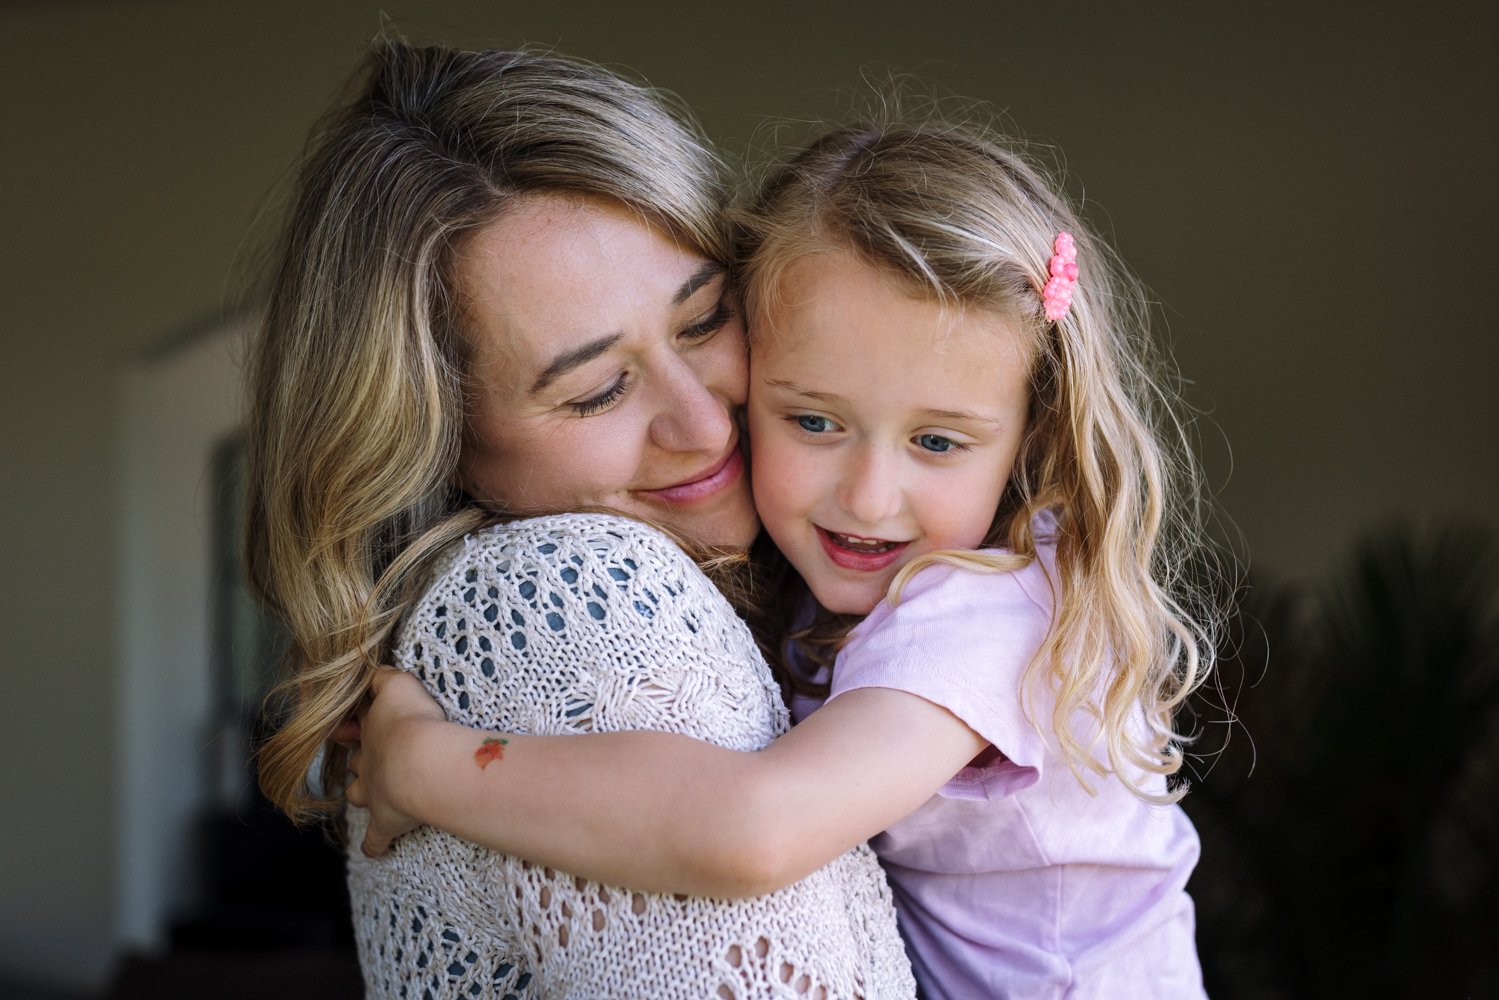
580,623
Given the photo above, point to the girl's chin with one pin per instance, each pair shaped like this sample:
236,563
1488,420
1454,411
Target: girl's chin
842,602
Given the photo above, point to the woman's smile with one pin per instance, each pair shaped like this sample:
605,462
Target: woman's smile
725,473
608,370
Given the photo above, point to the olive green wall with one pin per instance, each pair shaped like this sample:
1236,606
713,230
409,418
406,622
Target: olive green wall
1310,194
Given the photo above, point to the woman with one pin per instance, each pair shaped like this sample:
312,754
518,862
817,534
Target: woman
502,292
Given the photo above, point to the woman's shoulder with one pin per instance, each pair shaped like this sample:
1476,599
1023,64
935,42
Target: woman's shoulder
598,572
584,621
559,540
561,578
573,524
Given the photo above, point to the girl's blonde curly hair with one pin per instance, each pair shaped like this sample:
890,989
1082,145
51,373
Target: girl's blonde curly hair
962,219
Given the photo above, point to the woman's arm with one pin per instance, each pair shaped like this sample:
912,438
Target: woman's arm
659,811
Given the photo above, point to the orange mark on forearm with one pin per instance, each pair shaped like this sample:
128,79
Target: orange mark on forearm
492,748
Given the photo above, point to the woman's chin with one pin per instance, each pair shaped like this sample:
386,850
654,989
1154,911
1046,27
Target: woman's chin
733,529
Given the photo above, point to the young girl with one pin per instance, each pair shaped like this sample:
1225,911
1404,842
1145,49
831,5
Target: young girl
955,434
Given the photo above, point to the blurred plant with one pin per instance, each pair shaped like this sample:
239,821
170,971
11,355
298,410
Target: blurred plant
1350,825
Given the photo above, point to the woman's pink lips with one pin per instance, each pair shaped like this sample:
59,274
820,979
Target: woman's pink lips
865,562
715,479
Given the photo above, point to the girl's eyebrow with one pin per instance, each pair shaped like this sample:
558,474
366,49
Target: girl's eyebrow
827,397
962,415
801,390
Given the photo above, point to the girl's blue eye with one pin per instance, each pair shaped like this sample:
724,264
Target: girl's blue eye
936,443
813,424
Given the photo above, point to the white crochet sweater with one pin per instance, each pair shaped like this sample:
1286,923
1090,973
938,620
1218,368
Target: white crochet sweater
569,624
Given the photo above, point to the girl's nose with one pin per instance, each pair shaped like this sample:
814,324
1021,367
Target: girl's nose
870,490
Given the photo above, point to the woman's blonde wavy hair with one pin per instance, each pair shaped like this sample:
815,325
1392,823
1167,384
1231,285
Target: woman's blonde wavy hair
962,219
356,379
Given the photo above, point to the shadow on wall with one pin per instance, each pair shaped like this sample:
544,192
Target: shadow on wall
1350,827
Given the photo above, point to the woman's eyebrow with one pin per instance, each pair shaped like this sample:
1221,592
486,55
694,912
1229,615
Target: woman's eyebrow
710,270
568,360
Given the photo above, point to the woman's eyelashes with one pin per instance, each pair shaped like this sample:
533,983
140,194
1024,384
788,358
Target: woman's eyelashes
603,400
700,330
710,324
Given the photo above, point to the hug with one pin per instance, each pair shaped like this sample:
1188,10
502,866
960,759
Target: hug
624,476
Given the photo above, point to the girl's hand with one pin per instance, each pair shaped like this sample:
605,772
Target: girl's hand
399,708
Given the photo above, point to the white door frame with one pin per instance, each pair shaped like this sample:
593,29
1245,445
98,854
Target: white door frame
177,406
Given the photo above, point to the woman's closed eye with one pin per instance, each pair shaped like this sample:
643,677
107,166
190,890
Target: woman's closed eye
710,324
602,400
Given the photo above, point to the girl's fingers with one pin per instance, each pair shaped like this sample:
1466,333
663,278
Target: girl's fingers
373,845
381,678
354,791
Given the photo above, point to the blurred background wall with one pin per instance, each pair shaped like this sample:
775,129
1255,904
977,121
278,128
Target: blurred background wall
1309,190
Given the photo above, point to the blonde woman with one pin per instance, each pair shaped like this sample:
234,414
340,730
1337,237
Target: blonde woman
502,294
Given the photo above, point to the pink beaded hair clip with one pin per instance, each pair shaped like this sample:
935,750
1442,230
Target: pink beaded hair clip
1057,295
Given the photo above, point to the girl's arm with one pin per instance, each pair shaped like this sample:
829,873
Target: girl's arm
657,811
569,624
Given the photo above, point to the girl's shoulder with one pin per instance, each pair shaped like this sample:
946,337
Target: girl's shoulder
996,581
981,607
962,636
987,587
962,611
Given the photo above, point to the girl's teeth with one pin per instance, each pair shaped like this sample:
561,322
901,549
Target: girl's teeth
854,542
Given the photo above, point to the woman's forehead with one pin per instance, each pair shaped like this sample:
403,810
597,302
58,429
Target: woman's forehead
556,272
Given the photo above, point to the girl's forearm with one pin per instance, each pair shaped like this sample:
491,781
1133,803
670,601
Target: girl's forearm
663,812
653,811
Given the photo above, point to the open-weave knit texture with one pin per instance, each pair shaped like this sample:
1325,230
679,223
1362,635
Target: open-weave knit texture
580,623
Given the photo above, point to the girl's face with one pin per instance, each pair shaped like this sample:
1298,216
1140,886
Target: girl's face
883,426
606,369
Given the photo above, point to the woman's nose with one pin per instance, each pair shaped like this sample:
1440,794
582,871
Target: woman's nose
692,417
870,490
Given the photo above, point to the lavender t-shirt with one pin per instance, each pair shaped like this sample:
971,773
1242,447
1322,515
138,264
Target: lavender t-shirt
1013,881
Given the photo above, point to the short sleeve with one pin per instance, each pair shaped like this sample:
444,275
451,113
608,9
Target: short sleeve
962,640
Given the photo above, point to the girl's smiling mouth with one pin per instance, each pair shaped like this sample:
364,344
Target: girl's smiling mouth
857,552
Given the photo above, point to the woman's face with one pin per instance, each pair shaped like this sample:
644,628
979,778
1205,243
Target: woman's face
607,369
